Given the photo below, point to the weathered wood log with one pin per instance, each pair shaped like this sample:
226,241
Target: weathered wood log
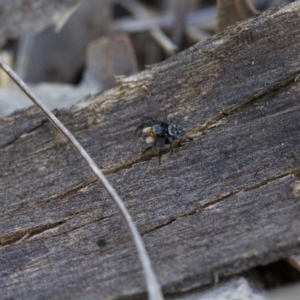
221,204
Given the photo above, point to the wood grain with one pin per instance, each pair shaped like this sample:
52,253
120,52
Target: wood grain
220,205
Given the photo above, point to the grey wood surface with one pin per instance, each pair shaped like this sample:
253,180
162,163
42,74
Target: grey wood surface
220,205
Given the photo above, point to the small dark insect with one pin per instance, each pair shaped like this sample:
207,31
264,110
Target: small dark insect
161,133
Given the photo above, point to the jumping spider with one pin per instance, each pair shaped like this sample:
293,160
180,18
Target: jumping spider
161,133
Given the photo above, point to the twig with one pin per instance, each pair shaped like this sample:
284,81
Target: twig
179,9
153,288
195,34
204,18
230,12
23,54
139,12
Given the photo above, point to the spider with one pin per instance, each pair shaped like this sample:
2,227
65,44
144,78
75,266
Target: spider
161,133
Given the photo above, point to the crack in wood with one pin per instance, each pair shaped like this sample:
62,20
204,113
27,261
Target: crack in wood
138,158
209,203
216,121
86,224
22,235
83,184
29,130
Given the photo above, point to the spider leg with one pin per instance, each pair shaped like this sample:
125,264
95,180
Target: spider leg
171,144
161,148
165,117
184,139
150,147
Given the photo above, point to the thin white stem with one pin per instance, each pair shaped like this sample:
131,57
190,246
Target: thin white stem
153,287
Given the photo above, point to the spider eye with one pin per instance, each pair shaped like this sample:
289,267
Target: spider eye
158,130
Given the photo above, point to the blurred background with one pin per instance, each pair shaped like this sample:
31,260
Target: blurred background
69,49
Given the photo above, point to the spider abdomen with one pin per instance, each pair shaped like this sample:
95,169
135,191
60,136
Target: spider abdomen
175,130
